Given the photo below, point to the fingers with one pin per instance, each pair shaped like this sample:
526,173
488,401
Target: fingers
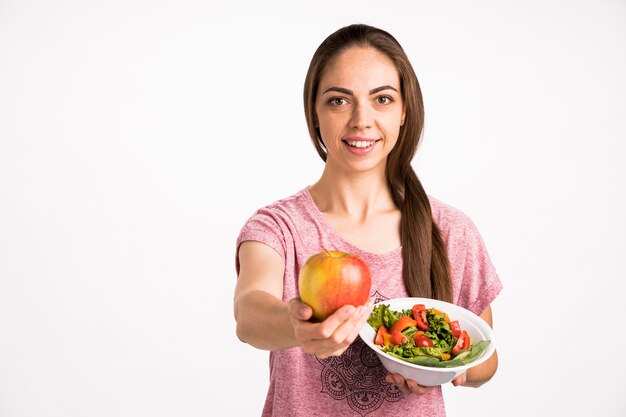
350,323
299,310
349,329
407,386
335,320
332,336
358,321
417,389
460,380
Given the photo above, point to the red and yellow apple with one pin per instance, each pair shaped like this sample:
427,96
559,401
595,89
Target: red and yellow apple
331,279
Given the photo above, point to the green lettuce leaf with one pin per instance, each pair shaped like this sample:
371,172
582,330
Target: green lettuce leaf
382,315
428,359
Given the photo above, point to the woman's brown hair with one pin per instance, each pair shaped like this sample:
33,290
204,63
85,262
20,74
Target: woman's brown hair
426,271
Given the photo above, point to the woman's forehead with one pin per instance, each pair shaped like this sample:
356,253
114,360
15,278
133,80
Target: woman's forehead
362,68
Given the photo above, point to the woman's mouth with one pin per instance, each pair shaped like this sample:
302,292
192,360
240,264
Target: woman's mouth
360,146
360,143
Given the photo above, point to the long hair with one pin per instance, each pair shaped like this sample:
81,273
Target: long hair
426,272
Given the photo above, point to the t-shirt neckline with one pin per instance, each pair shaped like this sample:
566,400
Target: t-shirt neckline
324,222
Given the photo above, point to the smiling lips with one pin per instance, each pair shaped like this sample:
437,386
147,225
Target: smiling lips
360,146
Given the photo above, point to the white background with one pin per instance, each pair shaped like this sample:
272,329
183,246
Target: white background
137,136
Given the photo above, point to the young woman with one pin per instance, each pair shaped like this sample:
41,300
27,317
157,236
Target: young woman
365,114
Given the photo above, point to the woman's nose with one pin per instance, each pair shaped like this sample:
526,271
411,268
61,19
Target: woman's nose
361,117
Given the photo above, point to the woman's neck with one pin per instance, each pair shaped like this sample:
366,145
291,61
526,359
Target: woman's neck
358,195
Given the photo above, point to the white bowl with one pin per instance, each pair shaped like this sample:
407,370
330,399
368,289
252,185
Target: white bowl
476,327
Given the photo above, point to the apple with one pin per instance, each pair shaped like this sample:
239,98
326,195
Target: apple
331,279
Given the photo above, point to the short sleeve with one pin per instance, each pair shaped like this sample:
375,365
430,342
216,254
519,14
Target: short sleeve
480,283
261,227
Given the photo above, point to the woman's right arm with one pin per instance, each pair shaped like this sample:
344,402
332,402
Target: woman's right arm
266,322
262,317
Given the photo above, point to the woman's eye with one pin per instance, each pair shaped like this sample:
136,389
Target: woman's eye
383,100
337,101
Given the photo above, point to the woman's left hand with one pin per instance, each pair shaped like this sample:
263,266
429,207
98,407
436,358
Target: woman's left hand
407,386
460,380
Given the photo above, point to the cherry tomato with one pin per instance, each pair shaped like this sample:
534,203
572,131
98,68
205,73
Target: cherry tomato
456,328
463,343
380,339
423,341
419,314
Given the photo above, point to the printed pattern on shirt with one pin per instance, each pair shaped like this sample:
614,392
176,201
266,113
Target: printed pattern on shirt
358,377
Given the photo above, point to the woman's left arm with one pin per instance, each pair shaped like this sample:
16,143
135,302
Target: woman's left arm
482,373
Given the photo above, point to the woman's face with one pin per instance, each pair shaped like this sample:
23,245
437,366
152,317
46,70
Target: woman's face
359,109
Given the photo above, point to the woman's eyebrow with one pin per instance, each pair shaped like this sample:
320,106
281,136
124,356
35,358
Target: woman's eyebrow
351,93
340,90
384,87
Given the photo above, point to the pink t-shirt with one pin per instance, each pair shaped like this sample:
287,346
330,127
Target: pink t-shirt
353,384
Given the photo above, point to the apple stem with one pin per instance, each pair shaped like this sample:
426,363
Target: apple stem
327,251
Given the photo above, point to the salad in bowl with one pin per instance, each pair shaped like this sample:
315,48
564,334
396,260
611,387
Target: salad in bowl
427,340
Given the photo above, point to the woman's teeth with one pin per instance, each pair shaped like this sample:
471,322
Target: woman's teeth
360,143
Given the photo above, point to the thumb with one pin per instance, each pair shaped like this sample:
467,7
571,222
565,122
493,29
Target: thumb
299,310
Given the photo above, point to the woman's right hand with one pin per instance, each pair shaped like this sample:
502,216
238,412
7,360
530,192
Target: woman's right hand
332,336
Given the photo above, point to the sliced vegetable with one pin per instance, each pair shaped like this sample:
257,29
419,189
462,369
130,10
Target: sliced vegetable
380,339
423,341
463,343
387,339
419,314
456,328
397,338
402,324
